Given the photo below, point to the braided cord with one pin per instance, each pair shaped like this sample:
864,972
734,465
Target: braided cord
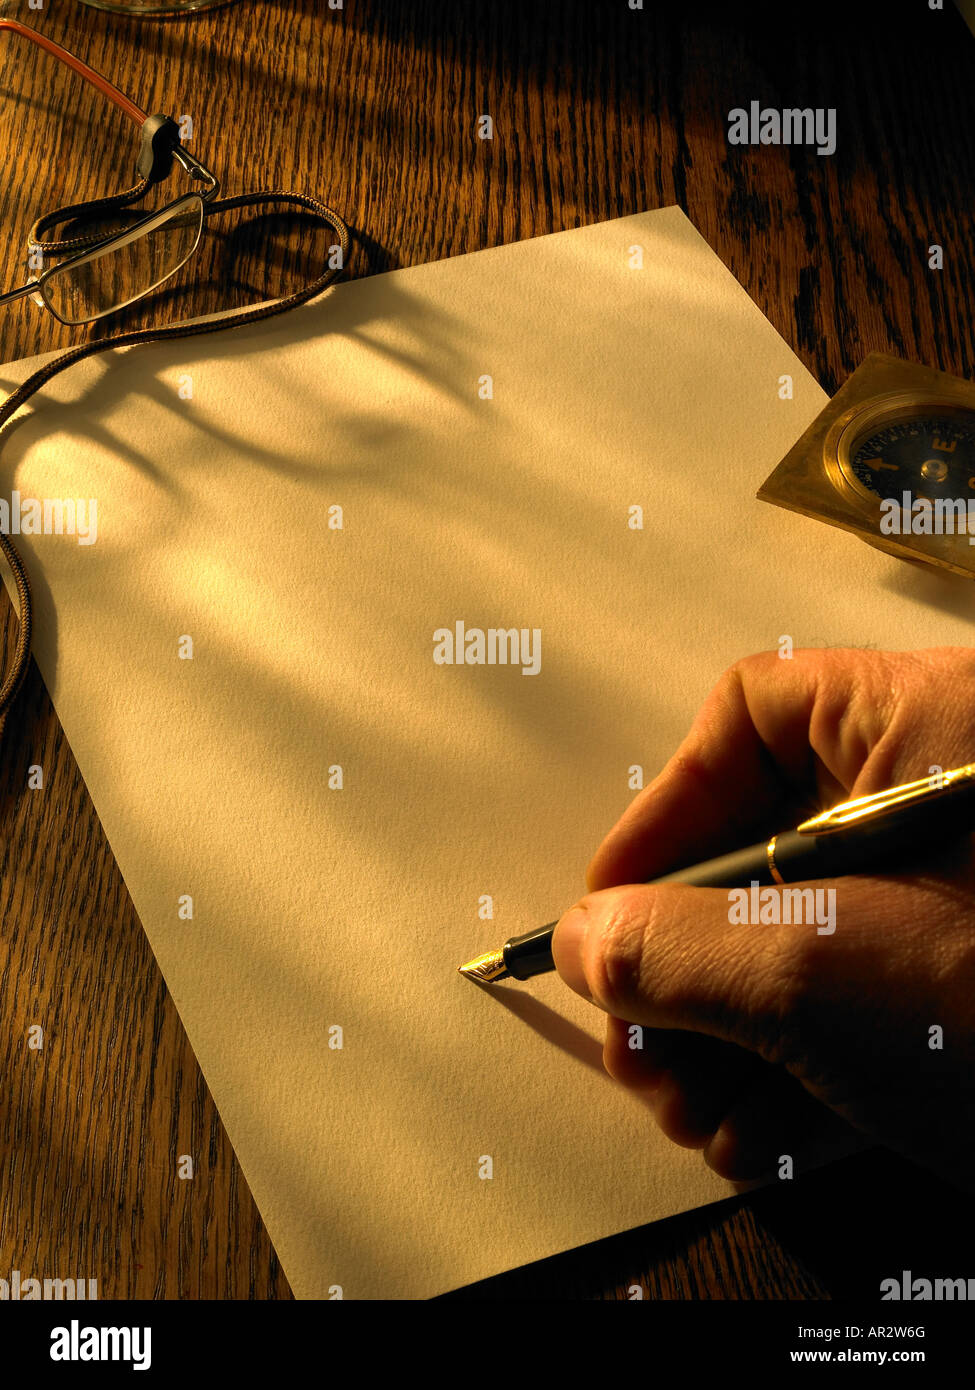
72,210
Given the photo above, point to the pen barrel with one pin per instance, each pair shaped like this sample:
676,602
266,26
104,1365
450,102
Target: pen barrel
896,840
744,866
795,857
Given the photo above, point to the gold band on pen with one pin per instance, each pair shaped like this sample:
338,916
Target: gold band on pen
770,855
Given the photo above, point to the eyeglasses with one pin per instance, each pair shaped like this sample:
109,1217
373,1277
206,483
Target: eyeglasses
122,261
116,265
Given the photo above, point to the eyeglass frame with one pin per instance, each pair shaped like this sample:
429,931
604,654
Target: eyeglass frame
160,145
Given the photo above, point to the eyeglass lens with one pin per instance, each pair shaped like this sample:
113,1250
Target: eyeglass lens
110,277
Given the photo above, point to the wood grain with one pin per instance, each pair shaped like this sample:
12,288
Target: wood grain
599,111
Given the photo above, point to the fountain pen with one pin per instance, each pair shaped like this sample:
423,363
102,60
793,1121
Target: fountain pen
867,834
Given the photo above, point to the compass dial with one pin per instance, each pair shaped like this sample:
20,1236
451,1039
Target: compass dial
930,456
892,460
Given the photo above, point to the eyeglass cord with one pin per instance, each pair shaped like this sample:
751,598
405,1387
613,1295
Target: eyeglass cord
18,669
73,210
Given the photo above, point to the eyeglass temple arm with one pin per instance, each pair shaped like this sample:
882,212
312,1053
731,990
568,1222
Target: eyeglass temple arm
18,293
82,69
160,136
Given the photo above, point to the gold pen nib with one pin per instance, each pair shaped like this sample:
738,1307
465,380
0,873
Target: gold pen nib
486,969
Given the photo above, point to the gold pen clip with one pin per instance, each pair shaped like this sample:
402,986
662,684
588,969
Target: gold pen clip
864,809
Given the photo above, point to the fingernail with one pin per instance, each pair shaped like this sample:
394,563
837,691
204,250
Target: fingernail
568,943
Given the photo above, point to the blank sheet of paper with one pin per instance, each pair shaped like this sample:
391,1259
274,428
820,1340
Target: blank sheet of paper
342,810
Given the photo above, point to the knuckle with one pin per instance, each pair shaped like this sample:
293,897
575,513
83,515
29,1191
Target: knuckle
754,661
746,669
616,972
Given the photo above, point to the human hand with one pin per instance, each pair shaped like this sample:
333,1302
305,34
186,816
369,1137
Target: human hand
761,1041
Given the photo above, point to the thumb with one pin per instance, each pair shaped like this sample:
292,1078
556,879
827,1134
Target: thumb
672,956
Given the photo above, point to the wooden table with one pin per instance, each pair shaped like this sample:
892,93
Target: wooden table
599,111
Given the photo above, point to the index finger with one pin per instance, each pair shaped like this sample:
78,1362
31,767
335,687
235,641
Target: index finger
768,742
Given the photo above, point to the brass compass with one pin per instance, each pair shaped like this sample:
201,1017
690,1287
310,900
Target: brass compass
892,459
